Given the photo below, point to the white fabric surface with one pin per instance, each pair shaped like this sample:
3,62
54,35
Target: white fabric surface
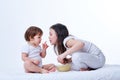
108,72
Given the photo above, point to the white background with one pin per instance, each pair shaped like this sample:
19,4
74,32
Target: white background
97,21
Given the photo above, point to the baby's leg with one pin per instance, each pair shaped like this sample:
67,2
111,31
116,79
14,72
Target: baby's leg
30,67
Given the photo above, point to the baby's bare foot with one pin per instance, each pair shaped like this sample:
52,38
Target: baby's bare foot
52,70
44,71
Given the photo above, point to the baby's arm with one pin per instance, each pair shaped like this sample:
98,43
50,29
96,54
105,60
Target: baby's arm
25,58
43,53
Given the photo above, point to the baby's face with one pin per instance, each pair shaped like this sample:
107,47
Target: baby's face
37,39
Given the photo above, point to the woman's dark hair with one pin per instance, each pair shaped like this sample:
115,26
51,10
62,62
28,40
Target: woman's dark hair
31,32
61,32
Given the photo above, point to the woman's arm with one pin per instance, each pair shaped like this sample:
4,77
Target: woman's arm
73,45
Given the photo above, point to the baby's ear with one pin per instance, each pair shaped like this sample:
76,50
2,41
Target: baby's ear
30,38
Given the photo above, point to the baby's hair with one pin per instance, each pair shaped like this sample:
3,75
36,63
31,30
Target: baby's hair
31,32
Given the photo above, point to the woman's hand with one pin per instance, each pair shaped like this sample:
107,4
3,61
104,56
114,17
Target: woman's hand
61,58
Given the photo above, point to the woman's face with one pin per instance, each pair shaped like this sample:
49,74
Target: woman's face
52,36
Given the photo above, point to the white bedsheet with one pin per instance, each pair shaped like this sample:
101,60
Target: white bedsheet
108,72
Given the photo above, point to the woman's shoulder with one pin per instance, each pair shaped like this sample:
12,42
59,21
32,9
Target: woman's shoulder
68,38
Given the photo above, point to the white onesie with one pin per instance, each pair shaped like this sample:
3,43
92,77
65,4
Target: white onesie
33,52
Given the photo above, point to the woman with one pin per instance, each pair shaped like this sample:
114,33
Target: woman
84,54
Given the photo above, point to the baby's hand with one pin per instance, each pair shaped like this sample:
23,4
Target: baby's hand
44,45
35,61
